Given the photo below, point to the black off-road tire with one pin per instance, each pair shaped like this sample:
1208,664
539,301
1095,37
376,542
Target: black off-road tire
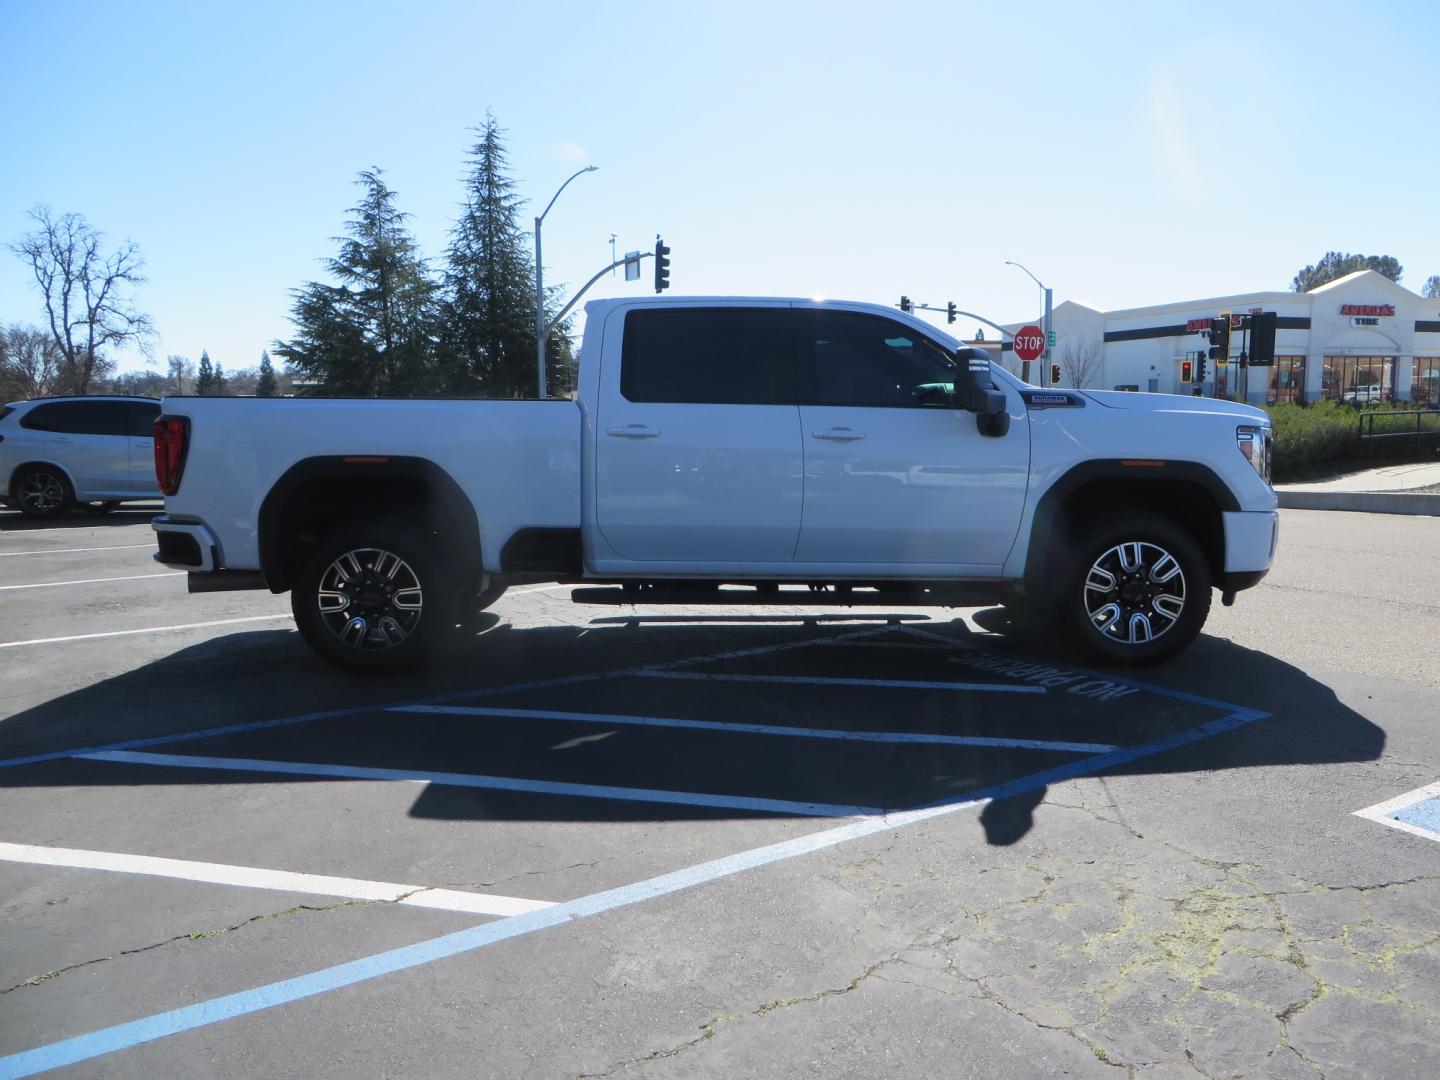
1135,590
487,597
367,615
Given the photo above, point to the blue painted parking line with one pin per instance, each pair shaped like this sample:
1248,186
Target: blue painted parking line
1416,812
821,680
997,662
1424,814
493,783
123,1036
737,728
434,699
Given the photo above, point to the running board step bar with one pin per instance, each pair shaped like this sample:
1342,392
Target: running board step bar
957,595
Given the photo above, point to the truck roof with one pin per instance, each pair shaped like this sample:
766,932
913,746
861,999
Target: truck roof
600,307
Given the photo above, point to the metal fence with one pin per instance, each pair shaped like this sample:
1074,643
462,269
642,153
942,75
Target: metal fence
1416,426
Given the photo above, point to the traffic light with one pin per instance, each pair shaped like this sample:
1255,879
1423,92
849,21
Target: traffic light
1262,339
1186,369
1220,337
1200,367
906,305
1054,374
662,266
950,312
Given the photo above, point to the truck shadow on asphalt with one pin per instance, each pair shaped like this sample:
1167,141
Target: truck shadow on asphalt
564,725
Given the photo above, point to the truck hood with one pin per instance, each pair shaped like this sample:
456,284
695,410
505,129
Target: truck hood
1174,403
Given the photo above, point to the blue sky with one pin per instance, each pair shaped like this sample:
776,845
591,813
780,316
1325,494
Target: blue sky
1128,154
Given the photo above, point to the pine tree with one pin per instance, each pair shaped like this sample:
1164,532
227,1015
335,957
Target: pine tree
205,375
490,285
265,386
222,384
372,335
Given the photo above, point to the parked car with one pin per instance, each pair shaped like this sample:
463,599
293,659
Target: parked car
1373,394
57,453
738,441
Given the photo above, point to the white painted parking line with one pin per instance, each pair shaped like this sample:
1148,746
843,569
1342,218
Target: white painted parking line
72,551
93,581
761,729
79,529
817,680
145,630
95,1044
494,783
277,880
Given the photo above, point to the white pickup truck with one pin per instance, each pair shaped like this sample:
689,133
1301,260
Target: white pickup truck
750,442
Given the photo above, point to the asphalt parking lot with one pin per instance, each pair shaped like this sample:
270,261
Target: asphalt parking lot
715,841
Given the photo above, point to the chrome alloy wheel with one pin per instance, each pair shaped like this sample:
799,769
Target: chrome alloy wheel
370,599
1135,592
40,492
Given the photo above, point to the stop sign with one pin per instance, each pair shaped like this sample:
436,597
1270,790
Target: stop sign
1029,342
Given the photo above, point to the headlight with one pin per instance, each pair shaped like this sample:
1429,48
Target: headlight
1257,443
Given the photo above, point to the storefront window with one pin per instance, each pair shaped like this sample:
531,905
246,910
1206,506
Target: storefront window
1425,385
1287,379
1358,380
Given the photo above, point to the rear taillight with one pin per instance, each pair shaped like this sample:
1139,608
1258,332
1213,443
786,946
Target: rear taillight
172,439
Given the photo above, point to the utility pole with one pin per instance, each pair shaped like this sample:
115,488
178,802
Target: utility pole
540,328
1049,308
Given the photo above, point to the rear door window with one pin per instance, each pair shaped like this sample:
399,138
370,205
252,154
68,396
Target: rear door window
82,417
711,356
142,416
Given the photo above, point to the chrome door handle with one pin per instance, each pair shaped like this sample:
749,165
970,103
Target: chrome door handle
838,434
633,431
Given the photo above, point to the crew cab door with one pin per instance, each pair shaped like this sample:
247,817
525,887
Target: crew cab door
895,474
698,456
89,439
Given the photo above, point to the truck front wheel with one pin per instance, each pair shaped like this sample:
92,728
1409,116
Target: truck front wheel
1137,590
371,598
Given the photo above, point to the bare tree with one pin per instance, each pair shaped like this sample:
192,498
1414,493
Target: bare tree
182,373
1080,361
29,363
85,293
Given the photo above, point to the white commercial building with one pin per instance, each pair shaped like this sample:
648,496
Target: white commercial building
1358,339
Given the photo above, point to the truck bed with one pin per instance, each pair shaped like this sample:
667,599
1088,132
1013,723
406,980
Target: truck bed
519,460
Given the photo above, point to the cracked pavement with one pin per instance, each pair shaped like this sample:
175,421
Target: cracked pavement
1150,960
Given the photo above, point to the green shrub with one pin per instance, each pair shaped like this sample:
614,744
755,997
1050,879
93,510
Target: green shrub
1313,440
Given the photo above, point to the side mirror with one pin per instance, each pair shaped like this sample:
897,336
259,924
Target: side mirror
994,419
977,394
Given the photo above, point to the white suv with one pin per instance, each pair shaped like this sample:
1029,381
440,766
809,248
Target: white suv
56,453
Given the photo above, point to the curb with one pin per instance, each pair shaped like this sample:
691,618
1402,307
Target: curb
1364,502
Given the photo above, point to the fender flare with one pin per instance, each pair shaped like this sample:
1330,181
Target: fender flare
460,538
1047,525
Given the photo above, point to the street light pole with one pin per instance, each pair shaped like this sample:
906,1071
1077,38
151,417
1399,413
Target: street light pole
1049,307
540,284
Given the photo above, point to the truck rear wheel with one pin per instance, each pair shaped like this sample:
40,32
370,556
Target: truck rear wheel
371,598
1137,589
